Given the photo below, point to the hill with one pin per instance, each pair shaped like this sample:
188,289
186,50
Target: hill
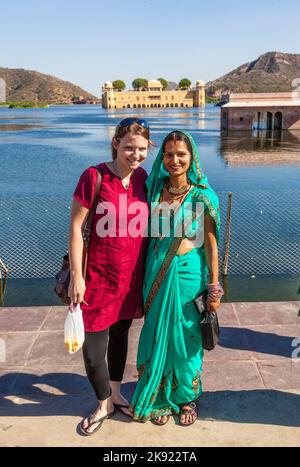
27,85
271,72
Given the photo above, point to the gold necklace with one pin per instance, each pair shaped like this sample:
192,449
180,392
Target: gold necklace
178,197
176,191
179,194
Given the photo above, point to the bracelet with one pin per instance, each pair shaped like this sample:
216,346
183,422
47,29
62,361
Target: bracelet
215,291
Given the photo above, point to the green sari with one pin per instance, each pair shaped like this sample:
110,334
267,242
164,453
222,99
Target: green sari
170,352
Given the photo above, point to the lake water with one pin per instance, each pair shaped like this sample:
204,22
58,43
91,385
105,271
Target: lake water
44,151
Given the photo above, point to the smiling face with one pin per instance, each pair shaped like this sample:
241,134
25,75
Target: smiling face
177,158
131,150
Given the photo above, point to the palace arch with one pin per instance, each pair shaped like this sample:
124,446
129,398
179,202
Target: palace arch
278,121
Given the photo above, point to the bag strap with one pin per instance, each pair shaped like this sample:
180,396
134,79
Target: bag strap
88,225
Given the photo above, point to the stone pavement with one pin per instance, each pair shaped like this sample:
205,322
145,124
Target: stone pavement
251,384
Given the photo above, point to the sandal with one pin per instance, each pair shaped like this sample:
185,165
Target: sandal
156,422
123,406
190,409
90,423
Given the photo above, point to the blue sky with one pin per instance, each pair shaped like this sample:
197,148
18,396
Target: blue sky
89,42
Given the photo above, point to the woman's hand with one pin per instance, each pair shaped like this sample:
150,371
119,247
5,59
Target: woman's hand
212,305
76,289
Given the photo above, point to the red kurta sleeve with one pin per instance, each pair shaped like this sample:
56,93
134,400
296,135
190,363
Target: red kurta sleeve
85,189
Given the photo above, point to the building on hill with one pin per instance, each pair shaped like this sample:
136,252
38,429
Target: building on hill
262,111
152,97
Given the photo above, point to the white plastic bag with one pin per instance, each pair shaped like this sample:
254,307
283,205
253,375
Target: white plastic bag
74,329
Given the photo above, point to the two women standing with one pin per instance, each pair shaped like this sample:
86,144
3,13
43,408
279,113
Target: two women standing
115,290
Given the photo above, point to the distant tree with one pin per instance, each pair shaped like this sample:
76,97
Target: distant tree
185,83
119,85
164,83
139,83
210,99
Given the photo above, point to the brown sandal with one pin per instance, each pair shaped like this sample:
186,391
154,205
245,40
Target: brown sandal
156,422
190,409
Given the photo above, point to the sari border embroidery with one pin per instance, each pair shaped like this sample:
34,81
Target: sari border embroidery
161,274
212,211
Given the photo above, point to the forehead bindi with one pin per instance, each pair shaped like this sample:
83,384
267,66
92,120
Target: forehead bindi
176,147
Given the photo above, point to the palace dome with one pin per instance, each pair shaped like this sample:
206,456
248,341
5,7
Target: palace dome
154,83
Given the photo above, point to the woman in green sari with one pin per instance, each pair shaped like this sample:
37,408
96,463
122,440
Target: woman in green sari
170,352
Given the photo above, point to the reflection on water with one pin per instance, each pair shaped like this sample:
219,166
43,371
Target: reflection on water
15,117
13,127
261,147
58,143
64,140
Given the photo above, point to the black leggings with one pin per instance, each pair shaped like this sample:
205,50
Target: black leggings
114,341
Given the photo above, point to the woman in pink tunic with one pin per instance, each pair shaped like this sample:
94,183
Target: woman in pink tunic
111,292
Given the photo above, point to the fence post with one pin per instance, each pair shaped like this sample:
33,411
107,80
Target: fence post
4,283
227,239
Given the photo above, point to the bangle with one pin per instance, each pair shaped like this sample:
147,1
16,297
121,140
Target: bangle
215,291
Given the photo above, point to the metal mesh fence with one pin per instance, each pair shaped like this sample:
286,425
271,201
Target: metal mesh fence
265,232
264,235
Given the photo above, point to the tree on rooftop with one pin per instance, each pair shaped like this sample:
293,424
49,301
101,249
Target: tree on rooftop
119,85
139,83
185,83
164,83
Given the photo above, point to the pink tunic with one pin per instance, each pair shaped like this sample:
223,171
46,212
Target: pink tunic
115,269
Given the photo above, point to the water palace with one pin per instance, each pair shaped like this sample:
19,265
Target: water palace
152,97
